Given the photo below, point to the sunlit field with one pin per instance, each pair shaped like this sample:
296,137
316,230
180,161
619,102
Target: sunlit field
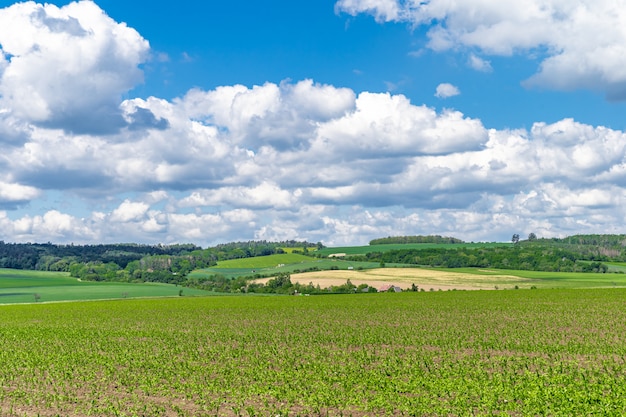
18,286
274,264
526,352
428,279
362,250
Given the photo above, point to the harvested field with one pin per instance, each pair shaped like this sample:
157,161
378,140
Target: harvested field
405,277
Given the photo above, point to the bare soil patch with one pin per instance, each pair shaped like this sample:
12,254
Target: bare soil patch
404,278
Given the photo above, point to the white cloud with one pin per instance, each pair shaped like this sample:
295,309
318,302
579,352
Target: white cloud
16,193
317,101
13,131
293,160
68,66
264,195
581,41
129,211
382,10
278,115
479,64
445,90
409,167
52,226
382,124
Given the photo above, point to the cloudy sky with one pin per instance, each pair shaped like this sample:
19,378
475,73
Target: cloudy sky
337,121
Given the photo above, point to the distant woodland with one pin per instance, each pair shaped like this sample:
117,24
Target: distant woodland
579,253
133,262
172,263
414,239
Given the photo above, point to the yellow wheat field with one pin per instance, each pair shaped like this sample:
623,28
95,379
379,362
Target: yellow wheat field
404,278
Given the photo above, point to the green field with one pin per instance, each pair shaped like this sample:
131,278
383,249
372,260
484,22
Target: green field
274,264
619,267
18,286
452,353
464,277
269,261
542,279
362,250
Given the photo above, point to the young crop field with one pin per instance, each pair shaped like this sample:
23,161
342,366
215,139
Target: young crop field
18,286
452,353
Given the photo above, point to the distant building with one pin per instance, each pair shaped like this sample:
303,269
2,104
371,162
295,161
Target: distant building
389,288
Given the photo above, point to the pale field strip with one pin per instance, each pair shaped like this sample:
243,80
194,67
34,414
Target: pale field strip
404,278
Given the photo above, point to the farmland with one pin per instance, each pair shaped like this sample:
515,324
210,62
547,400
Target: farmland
543,352
18,286
361,250
327,272
460,278
553,350
231,267
273,264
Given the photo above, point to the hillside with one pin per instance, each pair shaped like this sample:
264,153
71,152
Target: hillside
233,267
386,247
19,286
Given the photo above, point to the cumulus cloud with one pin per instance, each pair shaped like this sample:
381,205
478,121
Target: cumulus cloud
581,43
445,90
221,143
407,166
479,64
12,194
384,124
51,226
382,10
288,160
13,130
281,115
264,195
67,67
129,211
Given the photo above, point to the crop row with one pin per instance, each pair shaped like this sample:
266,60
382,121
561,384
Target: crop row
545,352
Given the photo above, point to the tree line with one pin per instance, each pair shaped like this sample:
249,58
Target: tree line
520,257
133,262
279,284
414,239
53,257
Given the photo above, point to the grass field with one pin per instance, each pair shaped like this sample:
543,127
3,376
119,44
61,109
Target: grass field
362,250
463,353
269,261
619,267
21,286
273,264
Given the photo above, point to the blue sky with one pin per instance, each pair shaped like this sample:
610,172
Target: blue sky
225,43
337,121
211,44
